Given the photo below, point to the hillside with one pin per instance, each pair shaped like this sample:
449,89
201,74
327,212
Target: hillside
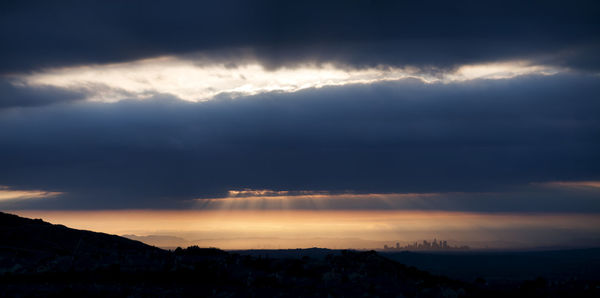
33,246
41,259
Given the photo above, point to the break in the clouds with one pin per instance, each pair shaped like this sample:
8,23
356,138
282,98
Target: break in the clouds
200,82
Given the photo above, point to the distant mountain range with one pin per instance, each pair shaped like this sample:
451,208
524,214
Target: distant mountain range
42,259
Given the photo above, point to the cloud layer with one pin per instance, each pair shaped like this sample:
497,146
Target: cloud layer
509,120
400,137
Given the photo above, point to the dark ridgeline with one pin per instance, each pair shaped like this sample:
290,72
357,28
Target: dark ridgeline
41,259
35,246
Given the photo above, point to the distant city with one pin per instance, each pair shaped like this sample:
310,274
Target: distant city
426,245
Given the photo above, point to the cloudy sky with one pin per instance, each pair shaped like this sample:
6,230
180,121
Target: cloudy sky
459,107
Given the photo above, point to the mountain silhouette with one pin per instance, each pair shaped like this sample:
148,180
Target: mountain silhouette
32,245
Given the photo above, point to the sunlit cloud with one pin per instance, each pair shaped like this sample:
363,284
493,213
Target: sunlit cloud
312,194
574,184
194,81
502,70
9,194
264,199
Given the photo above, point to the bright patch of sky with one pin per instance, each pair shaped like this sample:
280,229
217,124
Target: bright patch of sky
203,81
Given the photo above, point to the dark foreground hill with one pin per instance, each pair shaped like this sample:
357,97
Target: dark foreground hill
34,246
40,259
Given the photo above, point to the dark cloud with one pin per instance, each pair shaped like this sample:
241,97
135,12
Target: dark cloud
439,34
12,95
479,136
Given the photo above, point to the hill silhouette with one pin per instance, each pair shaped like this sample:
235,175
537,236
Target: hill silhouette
41,259
33,246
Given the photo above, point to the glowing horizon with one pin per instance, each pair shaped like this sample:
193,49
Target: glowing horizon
243,229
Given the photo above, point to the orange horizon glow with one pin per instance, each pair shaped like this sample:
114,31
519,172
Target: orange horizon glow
244,229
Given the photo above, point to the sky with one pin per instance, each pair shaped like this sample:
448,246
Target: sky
414,114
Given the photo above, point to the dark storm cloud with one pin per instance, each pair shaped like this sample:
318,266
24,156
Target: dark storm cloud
439,34
480,136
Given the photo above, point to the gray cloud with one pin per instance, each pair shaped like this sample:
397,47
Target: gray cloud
15,96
